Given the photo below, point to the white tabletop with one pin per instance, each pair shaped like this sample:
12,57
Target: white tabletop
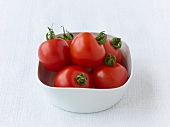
143,25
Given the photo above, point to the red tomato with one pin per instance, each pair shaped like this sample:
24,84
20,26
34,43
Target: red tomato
85,50
73,76
111,75
54,54
110,49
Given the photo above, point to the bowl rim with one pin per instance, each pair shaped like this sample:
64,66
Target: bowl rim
91,89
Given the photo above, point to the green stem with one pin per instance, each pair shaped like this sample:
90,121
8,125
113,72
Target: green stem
101,37
116,42
50,35
81,79
110,60
68,36
64,33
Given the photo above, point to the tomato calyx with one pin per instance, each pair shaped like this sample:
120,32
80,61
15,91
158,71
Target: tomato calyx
81,79
116,42
101,37
50,35
68,36
110,60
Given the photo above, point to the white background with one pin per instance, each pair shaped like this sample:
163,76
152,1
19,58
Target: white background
143,25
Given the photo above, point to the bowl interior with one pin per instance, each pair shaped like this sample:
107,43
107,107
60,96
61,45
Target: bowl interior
47,77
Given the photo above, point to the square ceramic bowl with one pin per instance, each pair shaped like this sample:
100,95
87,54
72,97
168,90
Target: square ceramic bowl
84,100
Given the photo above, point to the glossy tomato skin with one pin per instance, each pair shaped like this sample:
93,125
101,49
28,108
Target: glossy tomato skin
109,76
66,77
111,50
85,51
54,54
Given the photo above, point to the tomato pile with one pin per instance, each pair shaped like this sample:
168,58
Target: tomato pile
83,61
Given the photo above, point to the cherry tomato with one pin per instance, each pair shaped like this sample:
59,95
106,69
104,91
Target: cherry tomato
113,47
112,75
73,76
54,54
86,51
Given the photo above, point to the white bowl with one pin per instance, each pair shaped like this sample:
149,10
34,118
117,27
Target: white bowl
84,100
